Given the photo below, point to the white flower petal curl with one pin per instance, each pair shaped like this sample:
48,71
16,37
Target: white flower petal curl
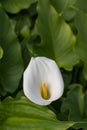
42,69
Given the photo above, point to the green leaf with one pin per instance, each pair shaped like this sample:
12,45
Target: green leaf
16,5
62,5
21,114
81,25
57,39
1,52
82,5
75,104
22,26
25,32
65,8
86,104
11,65
67,76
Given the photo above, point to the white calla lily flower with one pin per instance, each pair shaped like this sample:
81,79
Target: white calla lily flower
42,81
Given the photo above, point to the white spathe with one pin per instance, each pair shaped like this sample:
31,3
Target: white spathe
42,69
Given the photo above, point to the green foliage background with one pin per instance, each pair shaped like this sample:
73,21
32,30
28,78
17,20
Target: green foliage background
56,29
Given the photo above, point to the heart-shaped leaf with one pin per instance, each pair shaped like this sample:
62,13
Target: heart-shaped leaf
57,39
75,103
21,114
11,65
